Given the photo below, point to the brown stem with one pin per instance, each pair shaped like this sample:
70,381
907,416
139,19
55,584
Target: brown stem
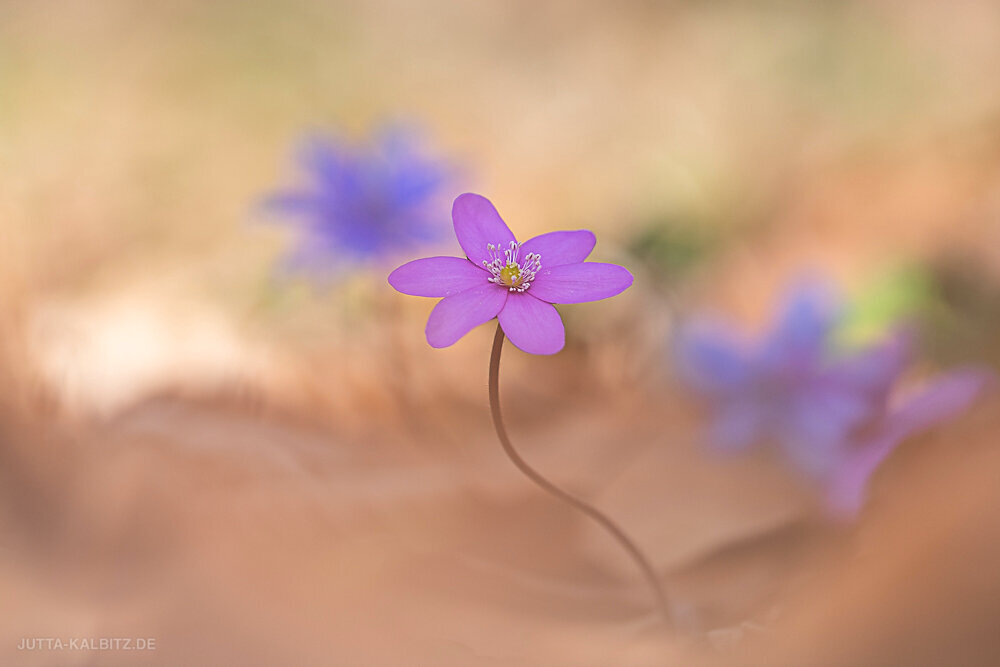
534,476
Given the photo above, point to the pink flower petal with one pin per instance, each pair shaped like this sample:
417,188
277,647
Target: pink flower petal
577,283
437,276
532,325
456,315
477,224
558,248
944,398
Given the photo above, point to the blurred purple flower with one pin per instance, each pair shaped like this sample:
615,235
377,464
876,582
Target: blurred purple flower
828,413
515,282
362,202
943,398
787,387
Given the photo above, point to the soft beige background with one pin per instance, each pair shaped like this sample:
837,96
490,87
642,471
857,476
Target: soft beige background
256,472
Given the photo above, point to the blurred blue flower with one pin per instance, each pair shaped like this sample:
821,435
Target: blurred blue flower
828,413
788,388
363,202
943,398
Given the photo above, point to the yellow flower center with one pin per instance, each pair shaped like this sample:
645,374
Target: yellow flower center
508,269
510,275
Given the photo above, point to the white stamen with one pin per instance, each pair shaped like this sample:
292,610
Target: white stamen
523,272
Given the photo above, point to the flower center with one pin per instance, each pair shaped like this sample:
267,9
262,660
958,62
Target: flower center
506,268
510,275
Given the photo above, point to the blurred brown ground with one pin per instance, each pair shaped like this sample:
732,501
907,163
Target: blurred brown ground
252,472
237,538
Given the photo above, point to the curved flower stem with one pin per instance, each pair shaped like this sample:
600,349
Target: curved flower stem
534,476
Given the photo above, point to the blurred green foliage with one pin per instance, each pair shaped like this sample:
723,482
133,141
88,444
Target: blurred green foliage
900,295
670,247
962,322
954,305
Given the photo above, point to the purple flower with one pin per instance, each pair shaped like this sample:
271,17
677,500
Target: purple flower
943,398
829,414
362,202
514,282
788,388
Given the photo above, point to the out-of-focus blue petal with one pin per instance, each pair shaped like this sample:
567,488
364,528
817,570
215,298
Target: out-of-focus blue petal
944,398
362,202
710,359
847,491
322,158
412,176
817,424
802,331
875,369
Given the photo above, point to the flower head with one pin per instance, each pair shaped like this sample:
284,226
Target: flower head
787,387
362,202
830,415
515,282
